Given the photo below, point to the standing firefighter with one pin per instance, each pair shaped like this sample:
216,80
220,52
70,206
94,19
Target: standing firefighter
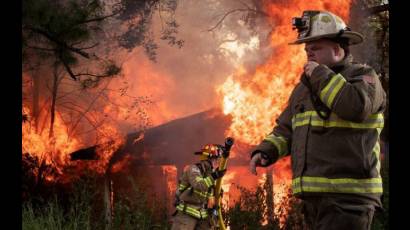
195,203
331,129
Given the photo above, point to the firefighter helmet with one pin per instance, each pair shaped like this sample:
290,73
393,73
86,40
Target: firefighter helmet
314,25
210,151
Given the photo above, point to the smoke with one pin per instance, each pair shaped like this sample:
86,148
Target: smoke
182,81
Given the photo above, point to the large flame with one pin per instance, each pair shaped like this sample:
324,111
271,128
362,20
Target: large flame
254,100
55,151
51,151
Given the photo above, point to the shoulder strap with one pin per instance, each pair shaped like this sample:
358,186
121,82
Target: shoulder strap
201,169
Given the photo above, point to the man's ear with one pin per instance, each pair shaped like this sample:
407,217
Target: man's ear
338,50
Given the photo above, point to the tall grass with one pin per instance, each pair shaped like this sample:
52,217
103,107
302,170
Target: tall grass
84,209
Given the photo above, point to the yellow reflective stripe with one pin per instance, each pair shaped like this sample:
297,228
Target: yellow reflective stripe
340,180
301,119
376,151
332,82
296,185
200,214
346,124
311,117
182,186
300,123
340,190
296,190
302,116
328,94
208,181
280,143
203,194
339,185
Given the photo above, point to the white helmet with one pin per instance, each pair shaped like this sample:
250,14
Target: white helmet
314,25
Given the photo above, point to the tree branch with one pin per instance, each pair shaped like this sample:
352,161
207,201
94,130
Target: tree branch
67,67
40,48
89,47
377,9
98,18
224,16
236,10
87,110
59,43
92,75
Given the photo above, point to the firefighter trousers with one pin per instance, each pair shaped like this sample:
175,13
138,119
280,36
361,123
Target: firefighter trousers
335,213
183,221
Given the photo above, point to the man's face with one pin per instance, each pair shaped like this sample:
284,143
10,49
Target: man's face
323,52
214,162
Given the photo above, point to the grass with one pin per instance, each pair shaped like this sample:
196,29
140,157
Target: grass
84,210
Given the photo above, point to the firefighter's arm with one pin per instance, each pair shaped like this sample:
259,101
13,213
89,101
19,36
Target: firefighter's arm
277,143
352,100
197,181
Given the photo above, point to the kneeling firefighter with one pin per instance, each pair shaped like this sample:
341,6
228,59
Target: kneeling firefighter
194,198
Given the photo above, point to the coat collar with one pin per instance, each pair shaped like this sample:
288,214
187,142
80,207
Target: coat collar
338,67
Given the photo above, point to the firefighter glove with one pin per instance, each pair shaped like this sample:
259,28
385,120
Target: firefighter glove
218,173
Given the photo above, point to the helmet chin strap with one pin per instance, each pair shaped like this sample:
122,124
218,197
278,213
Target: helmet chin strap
209,161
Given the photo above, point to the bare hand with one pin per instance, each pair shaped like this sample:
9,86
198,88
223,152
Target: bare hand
256,161
309,67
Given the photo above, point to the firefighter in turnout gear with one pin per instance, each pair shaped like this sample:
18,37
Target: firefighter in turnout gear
195,193
331,129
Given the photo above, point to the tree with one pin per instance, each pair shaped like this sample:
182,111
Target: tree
72,41
67,37
371,18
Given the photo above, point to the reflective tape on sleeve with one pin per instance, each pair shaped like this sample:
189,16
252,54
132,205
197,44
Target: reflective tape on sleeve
328,94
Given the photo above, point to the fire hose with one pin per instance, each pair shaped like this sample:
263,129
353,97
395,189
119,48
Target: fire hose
218,194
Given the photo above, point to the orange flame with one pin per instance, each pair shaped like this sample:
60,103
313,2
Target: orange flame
170,171
122,164
226,185
254,102
53,151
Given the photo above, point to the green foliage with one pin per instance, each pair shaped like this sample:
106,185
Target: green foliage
136,212
139,33
83,209
56,25
53,215
248,210
49,217
64,31
254,211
